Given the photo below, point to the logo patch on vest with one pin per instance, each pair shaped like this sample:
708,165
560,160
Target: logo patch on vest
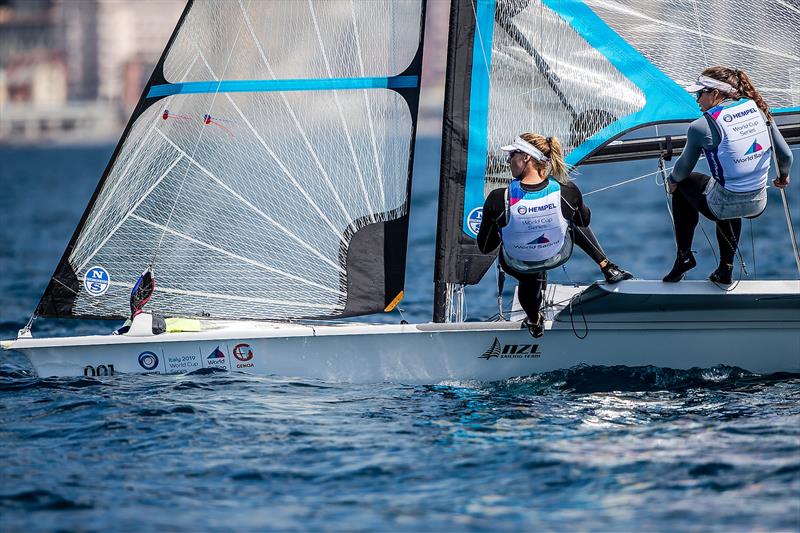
754,148
541,239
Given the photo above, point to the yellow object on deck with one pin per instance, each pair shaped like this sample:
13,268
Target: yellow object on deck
183,325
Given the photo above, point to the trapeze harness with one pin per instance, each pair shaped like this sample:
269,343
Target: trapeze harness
536,236
740,163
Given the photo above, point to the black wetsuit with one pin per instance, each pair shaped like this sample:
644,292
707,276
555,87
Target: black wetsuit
531,285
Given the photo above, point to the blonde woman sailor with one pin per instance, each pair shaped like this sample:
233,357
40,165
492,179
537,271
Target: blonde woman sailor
536,219
737,135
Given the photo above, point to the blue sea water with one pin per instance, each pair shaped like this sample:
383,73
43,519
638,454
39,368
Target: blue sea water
585,448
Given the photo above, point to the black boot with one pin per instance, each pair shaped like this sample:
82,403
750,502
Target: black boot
614,274
683,263
536,329
722,275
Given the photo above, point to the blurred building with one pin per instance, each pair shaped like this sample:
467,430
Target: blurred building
75,69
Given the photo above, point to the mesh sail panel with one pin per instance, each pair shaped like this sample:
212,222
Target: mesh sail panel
545,77
683,37
266,172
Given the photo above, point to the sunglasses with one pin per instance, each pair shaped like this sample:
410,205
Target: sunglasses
701,92
510,155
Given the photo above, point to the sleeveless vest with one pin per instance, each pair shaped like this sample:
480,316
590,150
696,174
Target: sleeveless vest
535,237
741,161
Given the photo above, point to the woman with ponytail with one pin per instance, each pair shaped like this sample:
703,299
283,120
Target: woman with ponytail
737,134
536,219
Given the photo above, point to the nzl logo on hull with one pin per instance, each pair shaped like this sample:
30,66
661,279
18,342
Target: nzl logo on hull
511,351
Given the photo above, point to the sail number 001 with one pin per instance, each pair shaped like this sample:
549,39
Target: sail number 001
99,370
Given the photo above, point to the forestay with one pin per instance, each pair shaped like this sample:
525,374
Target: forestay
587,72
266,170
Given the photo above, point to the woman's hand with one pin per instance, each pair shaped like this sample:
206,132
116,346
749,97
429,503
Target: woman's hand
781,182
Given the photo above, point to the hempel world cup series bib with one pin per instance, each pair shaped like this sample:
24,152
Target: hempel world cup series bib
536,228
741,161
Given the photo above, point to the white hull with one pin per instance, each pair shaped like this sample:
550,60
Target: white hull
755,327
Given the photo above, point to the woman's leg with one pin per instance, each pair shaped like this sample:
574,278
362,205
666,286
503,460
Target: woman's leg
530,290
687,204
586,240
728,233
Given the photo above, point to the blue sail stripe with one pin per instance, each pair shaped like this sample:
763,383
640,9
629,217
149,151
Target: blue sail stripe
666,101
256,86
478,110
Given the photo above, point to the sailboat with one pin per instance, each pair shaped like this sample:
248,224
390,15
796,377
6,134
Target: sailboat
263,185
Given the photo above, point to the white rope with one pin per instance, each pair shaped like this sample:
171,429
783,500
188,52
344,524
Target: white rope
197,143
625,182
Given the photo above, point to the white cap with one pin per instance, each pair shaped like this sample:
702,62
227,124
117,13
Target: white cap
524,146
704,82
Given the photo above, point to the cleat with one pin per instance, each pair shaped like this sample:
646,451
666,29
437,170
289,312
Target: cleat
683,263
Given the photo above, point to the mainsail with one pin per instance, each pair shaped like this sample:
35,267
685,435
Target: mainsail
587,72
265,172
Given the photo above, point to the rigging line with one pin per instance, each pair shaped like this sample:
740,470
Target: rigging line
341,114
94,302
309,146
133,158
196,145
699,29
301,190
249,299
625,182
480,40
130,211
753,248
234,256
378,167
787,213
664,177
274,156
263,215
631,12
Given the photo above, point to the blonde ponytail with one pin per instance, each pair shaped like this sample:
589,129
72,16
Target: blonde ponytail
552,149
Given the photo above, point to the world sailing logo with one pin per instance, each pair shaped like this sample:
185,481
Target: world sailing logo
541,239
96,281
754,148
216,359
